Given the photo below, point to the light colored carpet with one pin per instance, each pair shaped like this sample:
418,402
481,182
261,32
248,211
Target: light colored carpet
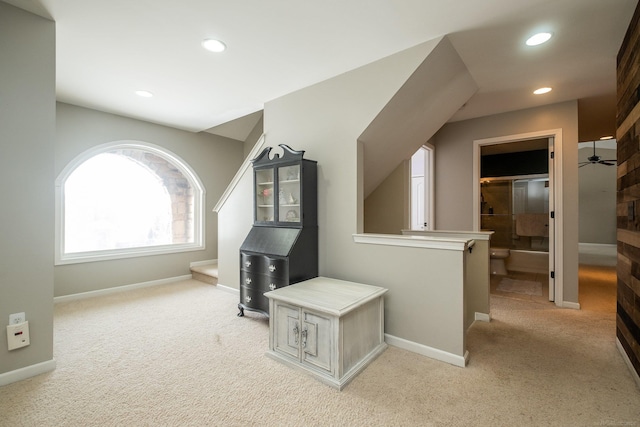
524,287
177,355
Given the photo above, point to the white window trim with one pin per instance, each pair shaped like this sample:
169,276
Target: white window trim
198,207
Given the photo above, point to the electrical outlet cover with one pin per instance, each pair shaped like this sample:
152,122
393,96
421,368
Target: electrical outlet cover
18,335
16,318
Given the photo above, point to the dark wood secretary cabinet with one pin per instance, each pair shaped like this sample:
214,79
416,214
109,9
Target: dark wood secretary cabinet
282,247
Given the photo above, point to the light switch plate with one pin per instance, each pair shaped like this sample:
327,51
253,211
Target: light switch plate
18,335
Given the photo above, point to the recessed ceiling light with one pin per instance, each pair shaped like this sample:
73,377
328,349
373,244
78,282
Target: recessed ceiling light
604,138
542,90
537,39
144,93
213,45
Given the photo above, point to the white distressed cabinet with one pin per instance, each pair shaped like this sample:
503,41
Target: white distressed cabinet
329,328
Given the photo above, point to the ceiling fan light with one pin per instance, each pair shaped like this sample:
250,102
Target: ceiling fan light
605,138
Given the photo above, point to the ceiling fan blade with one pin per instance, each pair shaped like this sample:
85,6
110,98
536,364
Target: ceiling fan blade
584,164
604,162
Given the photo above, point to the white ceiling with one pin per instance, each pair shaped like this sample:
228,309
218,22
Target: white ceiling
107,49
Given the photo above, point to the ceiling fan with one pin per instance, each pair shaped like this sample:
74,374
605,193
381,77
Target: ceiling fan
595,160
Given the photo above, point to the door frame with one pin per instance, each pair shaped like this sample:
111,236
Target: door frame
429,187
555,198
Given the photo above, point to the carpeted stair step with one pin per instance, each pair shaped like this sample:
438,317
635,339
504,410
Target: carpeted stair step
206,273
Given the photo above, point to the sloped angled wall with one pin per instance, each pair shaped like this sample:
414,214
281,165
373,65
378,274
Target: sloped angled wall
424,103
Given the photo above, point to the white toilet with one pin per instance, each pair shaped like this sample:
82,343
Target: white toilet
497,257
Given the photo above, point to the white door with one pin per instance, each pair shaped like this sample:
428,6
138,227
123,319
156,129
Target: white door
421,189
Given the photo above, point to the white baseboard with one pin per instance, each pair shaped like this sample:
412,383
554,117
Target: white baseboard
431,352
627,361
591,247
569,304
228,289
27,372
205,262
483,317
100,292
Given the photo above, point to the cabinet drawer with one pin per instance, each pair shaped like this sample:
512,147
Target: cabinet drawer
254,298
251,262
276,267
250,280
268,283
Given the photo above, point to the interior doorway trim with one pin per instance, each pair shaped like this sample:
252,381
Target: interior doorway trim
556,135
429,189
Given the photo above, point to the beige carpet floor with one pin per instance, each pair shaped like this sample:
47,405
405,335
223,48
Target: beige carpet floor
177,355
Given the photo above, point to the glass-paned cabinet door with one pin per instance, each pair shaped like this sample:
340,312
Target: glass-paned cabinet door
264,197
289,194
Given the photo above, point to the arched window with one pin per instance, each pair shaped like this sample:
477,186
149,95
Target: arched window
127,199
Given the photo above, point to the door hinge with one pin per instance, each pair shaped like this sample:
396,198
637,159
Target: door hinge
552,153
552,214
553,274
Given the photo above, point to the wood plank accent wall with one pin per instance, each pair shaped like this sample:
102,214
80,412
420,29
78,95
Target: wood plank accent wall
628,194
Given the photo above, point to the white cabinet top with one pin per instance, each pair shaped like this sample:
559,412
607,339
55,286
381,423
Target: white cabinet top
326,295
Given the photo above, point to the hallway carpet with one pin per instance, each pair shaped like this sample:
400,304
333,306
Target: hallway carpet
177,355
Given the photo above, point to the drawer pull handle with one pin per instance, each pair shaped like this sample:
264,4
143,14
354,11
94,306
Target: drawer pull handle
304,337
272,286
247,280
247,263
295,333
247,298
272,268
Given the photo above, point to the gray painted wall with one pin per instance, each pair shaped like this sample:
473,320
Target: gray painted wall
253,137
386,210
454,170
423,304
27,132
598,220
215,159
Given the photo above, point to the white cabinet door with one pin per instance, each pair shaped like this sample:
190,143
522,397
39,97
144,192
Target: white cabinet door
287,331
304,336
316,341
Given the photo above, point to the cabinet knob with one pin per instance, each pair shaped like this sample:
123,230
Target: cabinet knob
247,298
272,268
247,280
272,286
247,263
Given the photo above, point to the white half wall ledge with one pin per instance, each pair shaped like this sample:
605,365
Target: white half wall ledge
430,352
424,242
475,235
27,372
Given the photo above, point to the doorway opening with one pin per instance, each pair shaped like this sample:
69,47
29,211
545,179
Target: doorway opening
422,189
516,194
